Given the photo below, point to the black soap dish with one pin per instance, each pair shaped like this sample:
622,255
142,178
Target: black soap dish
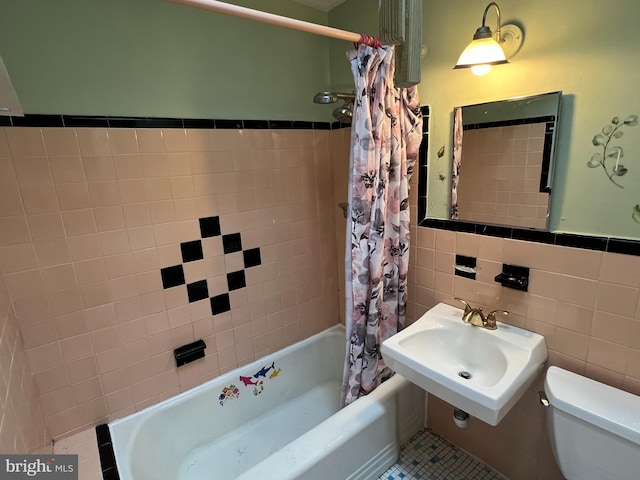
513,276
190,352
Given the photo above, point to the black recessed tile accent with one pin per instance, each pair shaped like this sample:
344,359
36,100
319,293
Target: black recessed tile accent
220,304
336,125
231,243
190,352
424,109
514,276
164,123
172,276
103,435
280,124
539,236
128,122
236,280
84,121
229,124
197,291
256,124
466,261
191,251
581,241
199,123
299,125
6,121
111,474
252,257
38,121
628,247
461,273
321,126
210,227
463,263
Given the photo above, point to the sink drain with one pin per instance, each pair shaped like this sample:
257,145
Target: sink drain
465,375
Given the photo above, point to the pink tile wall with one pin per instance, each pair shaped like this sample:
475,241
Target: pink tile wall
89,216
22,425
585,303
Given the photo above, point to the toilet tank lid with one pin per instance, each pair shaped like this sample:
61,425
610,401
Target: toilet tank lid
594,402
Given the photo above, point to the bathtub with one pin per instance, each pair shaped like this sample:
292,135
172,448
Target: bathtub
277,418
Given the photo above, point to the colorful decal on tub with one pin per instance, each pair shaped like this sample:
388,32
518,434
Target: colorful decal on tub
263,371
256,381
247,381
257,390
228,393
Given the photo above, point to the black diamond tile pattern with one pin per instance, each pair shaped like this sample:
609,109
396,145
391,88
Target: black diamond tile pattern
191,251
220,304
197,291
236,280
231,243
172,276
210,227
252,257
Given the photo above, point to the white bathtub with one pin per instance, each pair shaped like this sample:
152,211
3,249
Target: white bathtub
289,426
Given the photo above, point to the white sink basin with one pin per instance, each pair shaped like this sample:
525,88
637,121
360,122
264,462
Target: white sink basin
438,351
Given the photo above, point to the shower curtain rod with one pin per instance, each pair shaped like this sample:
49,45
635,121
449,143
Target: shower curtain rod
273,19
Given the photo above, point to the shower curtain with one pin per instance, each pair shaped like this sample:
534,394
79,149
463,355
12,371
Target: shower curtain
385,136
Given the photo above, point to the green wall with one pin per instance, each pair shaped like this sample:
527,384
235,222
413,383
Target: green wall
587,49
153,58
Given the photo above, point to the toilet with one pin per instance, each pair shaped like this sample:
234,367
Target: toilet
594,428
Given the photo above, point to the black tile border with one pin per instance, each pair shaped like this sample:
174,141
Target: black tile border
587,242
107,456
106,121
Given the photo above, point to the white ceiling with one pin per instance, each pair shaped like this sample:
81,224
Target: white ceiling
324,5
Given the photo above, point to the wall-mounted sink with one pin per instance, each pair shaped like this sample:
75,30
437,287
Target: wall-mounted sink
483,372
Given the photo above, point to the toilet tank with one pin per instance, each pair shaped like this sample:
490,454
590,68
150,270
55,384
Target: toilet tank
594,428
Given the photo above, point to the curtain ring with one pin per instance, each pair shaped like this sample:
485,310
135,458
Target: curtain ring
368,40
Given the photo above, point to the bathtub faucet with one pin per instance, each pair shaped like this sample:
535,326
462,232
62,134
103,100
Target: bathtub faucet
475,316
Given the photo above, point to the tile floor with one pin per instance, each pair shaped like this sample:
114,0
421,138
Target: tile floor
85,445
426,457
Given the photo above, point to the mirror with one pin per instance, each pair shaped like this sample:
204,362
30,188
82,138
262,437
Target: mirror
503,156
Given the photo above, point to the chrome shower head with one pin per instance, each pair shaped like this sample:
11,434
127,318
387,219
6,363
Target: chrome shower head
331,97
325,97
344,114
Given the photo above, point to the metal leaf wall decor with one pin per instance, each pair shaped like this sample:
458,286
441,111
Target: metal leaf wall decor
611,153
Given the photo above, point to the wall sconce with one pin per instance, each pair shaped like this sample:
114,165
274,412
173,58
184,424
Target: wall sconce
485,51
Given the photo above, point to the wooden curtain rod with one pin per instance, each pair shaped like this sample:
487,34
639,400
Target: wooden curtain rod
272,19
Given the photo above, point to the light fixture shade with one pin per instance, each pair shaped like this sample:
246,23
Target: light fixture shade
482,51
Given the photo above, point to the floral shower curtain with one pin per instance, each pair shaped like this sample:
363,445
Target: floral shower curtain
386,134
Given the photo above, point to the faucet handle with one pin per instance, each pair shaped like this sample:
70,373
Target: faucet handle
491,318
468,307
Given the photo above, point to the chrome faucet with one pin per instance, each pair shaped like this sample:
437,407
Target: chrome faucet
475,316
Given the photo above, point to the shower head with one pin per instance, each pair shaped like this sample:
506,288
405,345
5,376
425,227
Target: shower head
331,97
344,114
